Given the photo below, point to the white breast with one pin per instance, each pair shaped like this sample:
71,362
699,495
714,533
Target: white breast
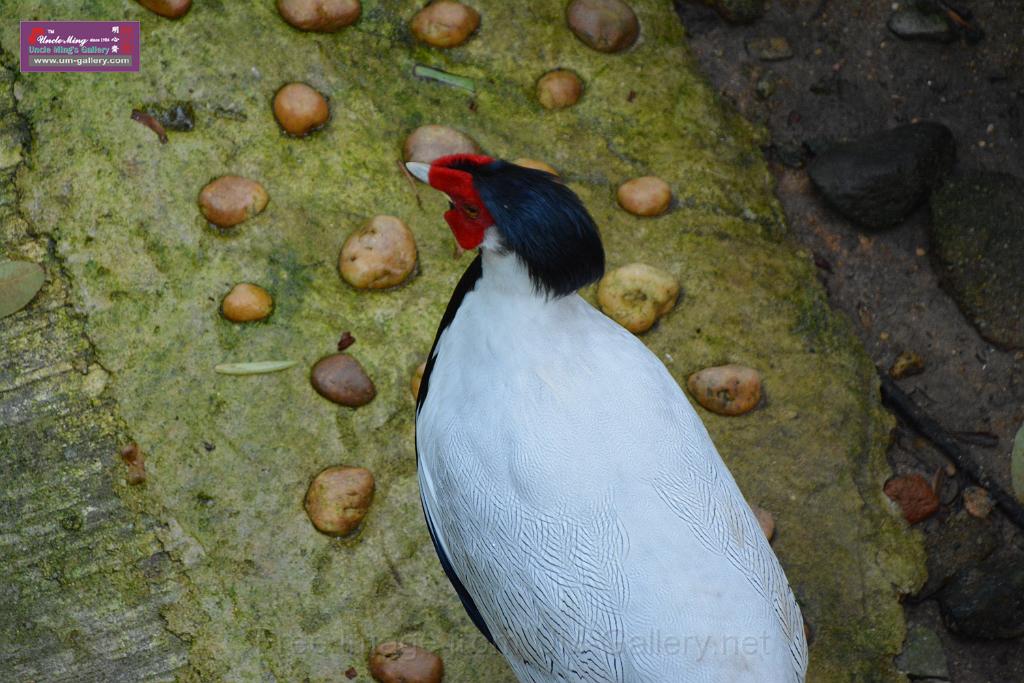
582,504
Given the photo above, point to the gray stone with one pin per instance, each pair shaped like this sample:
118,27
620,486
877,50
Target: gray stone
879,180
910,23
977,241
987,600
922,655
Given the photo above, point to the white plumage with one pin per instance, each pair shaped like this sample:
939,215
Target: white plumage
580,502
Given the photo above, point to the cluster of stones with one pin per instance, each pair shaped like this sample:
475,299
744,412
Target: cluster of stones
382,253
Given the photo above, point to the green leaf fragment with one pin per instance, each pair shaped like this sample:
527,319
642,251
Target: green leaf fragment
256,368
20,281
433,74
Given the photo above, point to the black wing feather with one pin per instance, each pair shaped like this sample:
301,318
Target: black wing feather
466,285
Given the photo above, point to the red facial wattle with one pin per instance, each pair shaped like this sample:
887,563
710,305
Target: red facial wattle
468,218
468,233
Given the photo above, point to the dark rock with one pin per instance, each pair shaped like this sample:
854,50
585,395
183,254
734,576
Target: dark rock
790,155
879,180
737,11
910,23
817,145
771,49
977,241
987,600
922,655
962,541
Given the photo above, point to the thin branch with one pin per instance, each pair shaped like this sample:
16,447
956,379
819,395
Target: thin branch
926,426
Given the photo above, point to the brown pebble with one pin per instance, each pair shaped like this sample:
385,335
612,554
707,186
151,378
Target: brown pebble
637,295
380,254
977,502
603,25
135,461
726,389
766,520
444,23
646,196
247,303
430,142
340,378
559,89
906,364
172,9
417,379
231,199
536,165
395,662
914,495
338,498
324,16
300,109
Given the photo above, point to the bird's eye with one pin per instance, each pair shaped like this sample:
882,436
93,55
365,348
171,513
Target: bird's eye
470,210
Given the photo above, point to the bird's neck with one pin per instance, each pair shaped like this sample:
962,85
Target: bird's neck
505,274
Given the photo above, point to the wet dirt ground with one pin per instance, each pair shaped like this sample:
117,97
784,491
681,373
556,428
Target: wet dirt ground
849,76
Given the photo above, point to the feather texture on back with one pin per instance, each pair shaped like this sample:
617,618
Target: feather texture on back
580,504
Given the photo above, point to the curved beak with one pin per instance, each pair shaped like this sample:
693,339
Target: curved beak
420,170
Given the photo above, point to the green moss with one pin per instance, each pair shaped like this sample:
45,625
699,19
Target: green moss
262,592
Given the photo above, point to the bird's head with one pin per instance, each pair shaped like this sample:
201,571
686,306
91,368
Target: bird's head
494,204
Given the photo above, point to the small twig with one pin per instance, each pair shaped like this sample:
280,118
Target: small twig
983,439
927,427
412,183
150,122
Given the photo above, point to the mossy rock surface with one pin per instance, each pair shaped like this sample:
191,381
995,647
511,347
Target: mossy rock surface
977,240
251,590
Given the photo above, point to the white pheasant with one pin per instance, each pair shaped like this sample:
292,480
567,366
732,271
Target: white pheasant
574,497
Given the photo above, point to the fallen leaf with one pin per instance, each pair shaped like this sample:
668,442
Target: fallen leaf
20,281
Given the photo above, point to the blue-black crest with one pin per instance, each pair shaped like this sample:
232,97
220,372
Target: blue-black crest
544,223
